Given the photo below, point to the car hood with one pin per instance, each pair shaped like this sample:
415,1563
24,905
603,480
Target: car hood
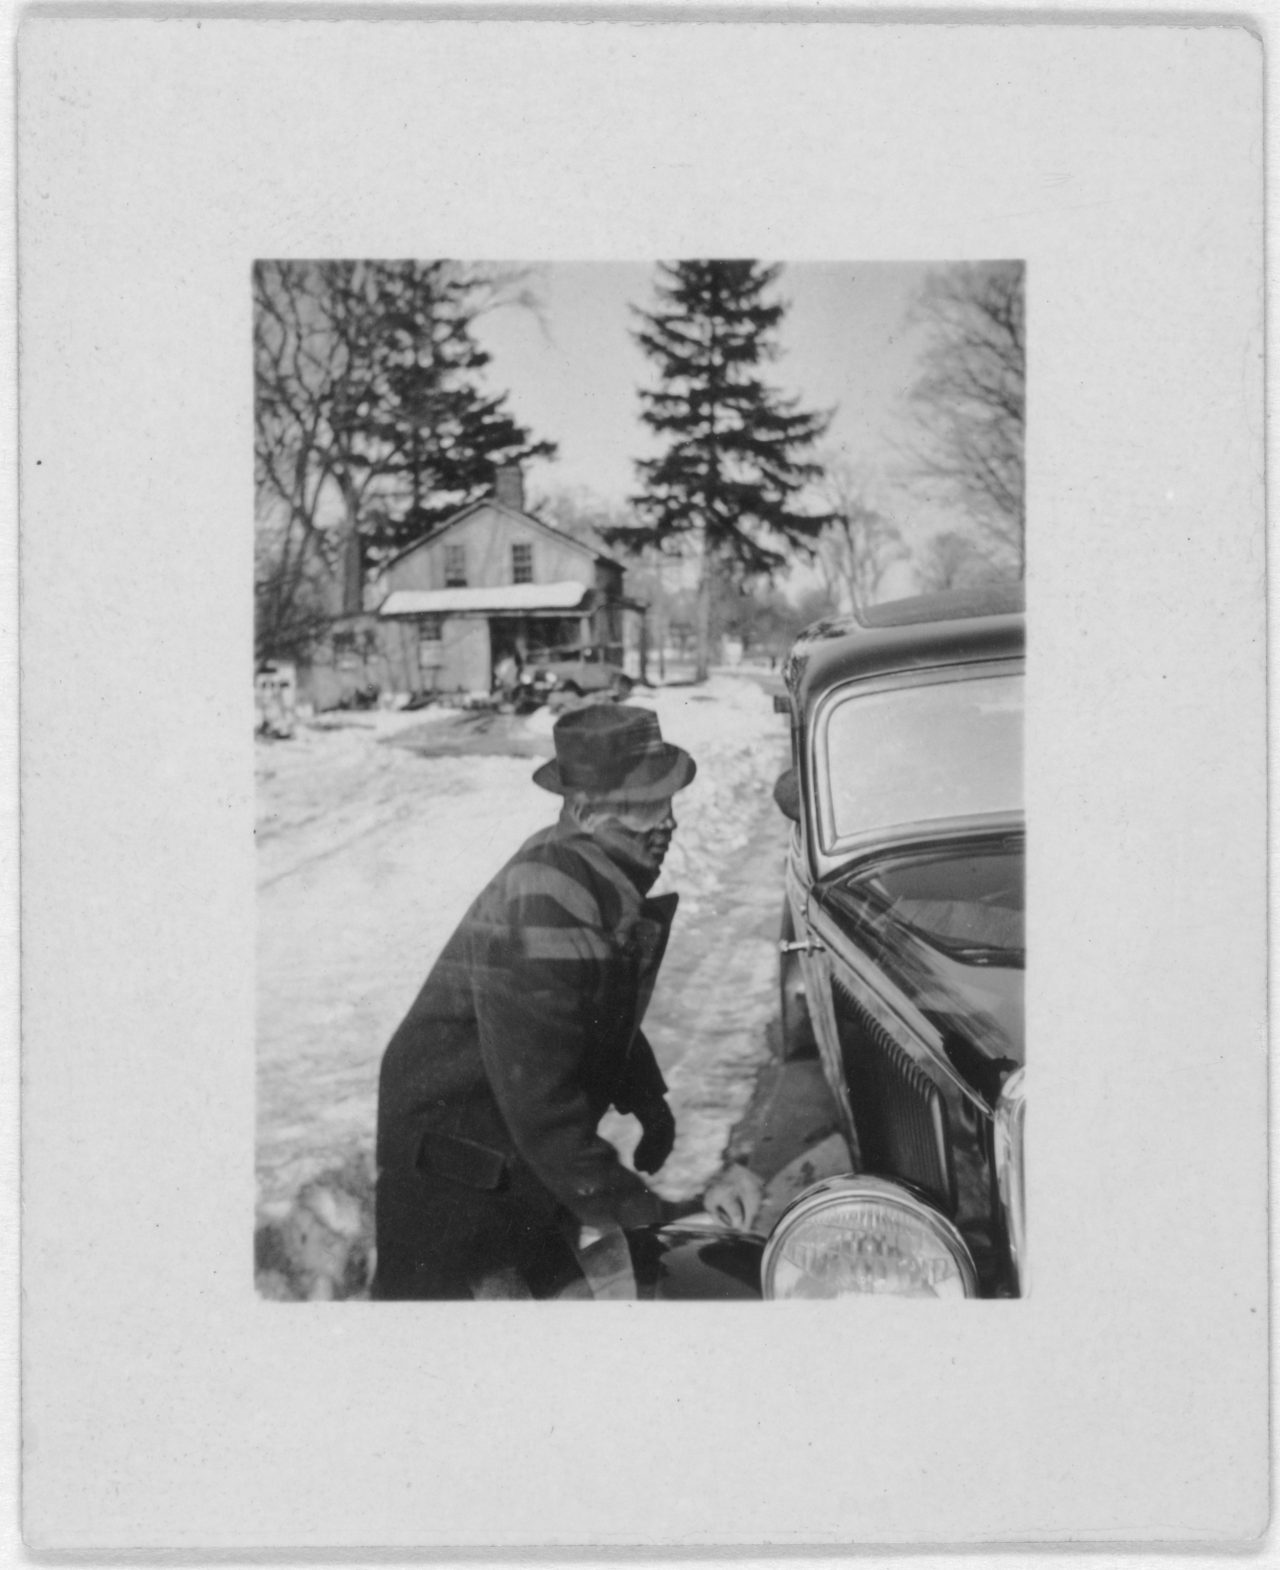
976,1008
982,1003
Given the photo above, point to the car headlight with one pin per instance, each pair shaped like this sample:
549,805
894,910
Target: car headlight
855,1236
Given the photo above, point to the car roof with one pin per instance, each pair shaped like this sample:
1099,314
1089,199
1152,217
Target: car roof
956,627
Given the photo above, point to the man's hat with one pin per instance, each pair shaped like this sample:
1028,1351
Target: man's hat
614,749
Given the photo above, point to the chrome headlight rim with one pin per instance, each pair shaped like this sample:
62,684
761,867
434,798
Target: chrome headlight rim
1010,1161
835,1193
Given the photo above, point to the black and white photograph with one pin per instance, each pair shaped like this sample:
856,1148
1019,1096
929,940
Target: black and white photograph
625,625
639,825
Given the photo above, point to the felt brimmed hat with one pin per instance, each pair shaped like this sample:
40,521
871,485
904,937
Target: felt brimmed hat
614,750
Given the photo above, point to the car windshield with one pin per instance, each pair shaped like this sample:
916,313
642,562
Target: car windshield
968,902
922,752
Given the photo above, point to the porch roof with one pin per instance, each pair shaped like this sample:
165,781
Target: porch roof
529,598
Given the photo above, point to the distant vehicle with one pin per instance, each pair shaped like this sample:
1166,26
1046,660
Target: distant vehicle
575,671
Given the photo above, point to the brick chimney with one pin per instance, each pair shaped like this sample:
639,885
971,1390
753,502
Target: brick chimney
508,486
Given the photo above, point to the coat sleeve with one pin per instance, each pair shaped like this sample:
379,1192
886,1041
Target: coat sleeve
642,1083
543,992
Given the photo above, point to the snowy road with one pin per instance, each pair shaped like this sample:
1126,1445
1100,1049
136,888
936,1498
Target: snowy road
369,850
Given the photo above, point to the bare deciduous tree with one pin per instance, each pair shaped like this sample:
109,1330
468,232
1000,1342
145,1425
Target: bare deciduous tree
955,561
969,402
860,544
370,422
580,513
310,378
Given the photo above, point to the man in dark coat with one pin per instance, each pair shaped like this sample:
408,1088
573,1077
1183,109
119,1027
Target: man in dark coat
528,1029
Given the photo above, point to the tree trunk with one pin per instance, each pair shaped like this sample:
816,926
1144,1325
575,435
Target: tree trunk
352,561
703,652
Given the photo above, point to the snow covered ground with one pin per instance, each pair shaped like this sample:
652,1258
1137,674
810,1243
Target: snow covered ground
373,839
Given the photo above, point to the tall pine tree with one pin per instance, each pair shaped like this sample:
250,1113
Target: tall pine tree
734,466
436,433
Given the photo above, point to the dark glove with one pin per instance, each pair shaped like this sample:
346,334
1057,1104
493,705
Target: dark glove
658,1137
674,1210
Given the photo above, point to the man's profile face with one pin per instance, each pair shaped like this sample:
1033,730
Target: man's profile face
651,824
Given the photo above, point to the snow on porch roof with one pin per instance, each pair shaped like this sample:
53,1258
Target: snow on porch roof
566,596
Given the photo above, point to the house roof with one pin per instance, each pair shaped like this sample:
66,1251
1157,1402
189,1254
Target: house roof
510,512
527,597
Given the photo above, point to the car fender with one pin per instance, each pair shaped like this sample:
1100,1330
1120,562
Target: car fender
696,1259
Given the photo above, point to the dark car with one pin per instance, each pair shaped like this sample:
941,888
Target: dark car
577,671
902,963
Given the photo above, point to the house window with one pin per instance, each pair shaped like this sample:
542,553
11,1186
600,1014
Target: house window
351,646
455,566
522,564
430,644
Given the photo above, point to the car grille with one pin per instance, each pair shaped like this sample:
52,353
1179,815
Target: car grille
898,1111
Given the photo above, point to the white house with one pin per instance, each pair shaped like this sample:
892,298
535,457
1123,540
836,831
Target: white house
494,579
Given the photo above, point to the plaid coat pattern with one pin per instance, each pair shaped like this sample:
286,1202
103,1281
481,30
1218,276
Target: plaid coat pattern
526,1030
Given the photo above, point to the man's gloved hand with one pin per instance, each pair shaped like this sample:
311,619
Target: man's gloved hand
733,1197
659,1136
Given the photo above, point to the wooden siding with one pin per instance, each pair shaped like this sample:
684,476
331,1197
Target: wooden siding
487,536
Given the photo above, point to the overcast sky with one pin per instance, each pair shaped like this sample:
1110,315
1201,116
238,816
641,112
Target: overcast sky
573,378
